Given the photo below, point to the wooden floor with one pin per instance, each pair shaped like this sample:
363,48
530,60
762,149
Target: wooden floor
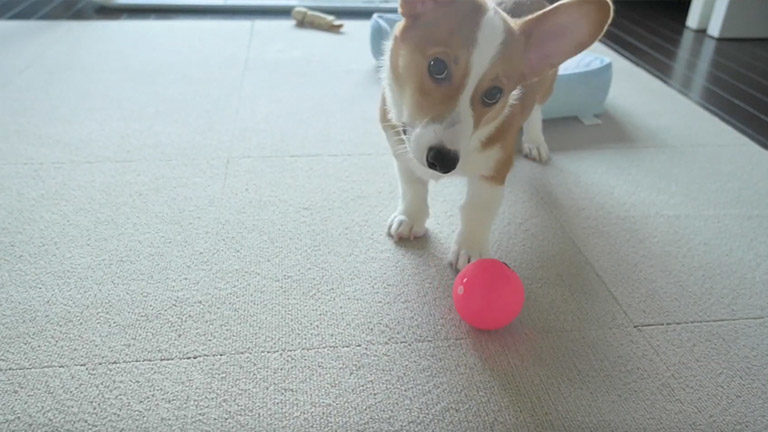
728,78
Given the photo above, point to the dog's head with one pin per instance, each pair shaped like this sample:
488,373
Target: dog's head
455,66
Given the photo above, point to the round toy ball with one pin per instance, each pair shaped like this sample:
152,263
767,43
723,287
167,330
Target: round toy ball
488,295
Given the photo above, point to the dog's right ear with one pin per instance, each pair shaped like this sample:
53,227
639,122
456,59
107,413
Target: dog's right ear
411,9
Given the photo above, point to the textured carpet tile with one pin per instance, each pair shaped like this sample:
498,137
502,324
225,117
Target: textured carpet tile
497,382
192,237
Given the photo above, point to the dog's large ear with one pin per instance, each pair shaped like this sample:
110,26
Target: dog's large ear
561,31
411,9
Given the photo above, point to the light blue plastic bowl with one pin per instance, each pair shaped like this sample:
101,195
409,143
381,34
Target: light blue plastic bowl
580,90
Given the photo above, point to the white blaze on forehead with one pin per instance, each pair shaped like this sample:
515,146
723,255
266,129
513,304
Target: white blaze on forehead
490,35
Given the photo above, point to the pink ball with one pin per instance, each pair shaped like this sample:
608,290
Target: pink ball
488,295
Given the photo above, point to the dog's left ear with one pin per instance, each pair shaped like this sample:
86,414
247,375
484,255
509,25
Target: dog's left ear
561,31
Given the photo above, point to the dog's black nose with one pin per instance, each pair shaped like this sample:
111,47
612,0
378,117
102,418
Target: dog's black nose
442,159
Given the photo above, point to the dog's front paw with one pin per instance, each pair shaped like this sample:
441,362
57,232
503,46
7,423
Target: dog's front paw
403,227
465,250
536,149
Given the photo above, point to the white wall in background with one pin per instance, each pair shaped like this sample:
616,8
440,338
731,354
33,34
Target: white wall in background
739,19
699,14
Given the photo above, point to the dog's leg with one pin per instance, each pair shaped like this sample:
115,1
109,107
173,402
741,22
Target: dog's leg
534,146
477,214
409,221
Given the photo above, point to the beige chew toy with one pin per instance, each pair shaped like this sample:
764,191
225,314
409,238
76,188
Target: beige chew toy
318,20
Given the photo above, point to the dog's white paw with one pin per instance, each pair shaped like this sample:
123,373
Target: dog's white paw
536,149
465,251
402,227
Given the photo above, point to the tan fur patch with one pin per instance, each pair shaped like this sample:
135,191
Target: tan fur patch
503,73
547,86
449,32
505,135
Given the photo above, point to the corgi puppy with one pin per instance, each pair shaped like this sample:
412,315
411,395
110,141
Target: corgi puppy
460,79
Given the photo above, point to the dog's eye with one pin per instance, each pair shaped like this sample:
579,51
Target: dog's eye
438,69
492,96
